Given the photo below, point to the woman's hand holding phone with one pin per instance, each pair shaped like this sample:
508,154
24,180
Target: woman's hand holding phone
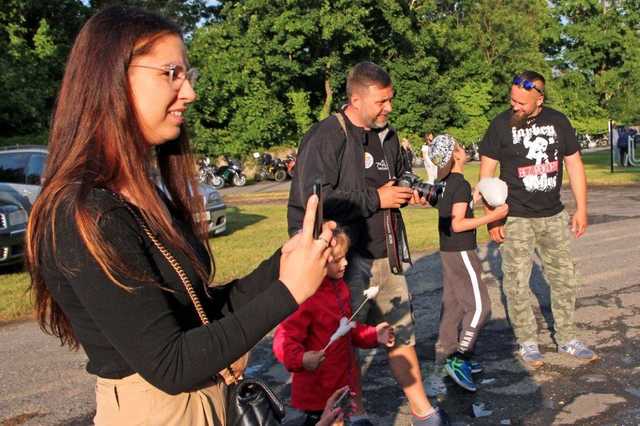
303,264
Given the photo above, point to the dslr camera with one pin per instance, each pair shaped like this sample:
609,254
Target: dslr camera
430,192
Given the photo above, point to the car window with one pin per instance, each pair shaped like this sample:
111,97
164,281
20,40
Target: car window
35,168
12,167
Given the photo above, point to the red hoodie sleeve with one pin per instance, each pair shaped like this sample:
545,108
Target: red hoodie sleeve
364,336
289,339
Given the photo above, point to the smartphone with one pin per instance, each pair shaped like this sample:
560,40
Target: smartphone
344,402
317,224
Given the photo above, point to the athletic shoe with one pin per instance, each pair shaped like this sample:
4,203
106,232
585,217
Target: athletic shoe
460,371
578,349
476,368
438,418
531,354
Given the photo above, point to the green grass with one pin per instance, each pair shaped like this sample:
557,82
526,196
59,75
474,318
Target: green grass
255,231
15,303
598,171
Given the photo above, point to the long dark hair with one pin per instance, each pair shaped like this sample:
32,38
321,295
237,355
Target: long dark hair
95,141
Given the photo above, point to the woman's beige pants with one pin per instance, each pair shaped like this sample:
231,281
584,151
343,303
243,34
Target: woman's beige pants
134,401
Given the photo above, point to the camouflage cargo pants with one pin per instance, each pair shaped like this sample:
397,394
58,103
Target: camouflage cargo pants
550,236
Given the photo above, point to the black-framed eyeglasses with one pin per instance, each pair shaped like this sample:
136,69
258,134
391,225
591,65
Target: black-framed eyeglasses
526,84
176,74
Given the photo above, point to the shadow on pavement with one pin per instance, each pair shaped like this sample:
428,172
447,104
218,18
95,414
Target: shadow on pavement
504,382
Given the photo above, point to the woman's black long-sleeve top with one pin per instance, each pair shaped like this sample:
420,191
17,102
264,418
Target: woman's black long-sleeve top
151,330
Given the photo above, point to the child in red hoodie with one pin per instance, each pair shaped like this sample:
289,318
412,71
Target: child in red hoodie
299,341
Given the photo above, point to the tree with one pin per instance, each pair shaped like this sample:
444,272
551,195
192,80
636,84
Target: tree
598,57
474,100
34,47
187,13
283,48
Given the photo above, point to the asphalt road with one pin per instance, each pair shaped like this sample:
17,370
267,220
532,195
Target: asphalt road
43,384
257,188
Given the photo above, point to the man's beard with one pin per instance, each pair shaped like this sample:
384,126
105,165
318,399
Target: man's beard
379,124
518,120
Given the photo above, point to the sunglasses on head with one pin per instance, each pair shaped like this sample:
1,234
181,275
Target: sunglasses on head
526,84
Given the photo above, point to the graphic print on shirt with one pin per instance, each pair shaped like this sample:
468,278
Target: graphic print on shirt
541,144
382,165
368,160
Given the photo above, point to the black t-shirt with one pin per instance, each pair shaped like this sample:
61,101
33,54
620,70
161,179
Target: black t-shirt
457,190
531,160
376,174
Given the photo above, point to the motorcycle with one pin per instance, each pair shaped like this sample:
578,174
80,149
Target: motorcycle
290,162
208,173
232,173
270,168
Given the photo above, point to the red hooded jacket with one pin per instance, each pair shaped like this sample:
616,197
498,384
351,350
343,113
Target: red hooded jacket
309,329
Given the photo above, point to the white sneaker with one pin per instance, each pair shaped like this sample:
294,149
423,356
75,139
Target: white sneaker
531,354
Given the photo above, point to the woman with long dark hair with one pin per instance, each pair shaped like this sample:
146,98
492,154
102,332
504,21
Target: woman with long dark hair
99,278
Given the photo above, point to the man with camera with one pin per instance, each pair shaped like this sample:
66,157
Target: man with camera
531,142
356,155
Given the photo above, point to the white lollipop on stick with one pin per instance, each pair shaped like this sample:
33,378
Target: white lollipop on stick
347,325
344,327
369,294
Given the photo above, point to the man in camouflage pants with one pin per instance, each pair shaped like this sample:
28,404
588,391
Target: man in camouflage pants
531,142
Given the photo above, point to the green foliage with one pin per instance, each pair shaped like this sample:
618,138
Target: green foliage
600,42
474,100
34,47
269,69
301,112
187,13
31,139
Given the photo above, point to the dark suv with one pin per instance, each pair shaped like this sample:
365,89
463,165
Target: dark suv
13,223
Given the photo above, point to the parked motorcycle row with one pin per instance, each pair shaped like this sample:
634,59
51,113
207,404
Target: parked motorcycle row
273,168
218,177
269,168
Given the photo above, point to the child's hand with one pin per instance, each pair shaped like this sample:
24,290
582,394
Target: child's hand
386,335
333,414
311,360
499,212
476,196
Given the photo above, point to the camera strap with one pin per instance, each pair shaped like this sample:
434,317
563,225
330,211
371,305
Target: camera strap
395,263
